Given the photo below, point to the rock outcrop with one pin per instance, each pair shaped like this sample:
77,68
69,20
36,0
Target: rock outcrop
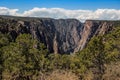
93,28
59,35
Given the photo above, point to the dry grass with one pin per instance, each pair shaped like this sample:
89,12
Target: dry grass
112,71
62,75
59,75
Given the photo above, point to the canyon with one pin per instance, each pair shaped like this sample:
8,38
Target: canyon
59,35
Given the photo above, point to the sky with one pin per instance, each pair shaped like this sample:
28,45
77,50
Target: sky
79,9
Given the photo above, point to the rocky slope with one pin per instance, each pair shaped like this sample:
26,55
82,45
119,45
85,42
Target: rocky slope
59,35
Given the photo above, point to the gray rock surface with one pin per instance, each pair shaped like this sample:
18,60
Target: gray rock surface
59,35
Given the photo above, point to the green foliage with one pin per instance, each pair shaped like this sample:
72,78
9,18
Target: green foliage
101,50
4,40
22,58
27,58
105,47
112,45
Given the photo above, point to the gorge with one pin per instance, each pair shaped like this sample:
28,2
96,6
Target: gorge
59,35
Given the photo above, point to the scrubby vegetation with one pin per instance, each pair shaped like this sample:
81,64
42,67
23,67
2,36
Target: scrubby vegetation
28,59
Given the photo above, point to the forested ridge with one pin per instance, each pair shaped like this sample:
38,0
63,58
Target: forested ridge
26,58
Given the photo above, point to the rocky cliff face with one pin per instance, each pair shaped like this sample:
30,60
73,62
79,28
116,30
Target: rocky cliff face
59,35
93,28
